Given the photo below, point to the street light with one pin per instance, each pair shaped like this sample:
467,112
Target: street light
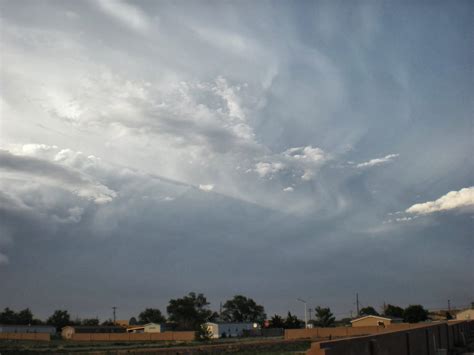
305,313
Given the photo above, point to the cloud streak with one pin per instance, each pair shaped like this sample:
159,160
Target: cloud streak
377,161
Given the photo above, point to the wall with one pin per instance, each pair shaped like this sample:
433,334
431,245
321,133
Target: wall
25,336
417,340
165,336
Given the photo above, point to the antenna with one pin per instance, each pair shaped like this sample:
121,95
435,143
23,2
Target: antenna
357,304
114,308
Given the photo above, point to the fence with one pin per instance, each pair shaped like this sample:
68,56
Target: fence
165,336
25,336
418,340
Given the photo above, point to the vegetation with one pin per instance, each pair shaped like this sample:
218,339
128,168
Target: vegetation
151,315
324,317
368,311
189,312
415,314
25,317
393,311
243,309
59,319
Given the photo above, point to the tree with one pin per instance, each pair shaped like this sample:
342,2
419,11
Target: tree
90,321
292,322
243,309
108,323
277,322
59,319
368,311
151,315
133,321
324,317
8,316
189,312
393,311
415,313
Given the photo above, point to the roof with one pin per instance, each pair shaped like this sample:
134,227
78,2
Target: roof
377,317
96,329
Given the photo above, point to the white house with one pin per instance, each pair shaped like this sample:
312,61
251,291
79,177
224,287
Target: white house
147,328
219,329
467,314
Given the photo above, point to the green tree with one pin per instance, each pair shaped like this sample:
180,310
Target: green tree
277,322
393,311
415,313
292,322
243,309
59,319
189,312
8,316
133,321
90,321
324,317
368,311
151,315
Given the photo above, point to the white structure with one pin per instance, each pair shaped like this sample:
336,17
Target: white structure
219,330
7,328
466,314
147,328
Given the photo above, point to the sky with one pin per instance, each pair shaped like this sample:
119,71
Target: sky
275,149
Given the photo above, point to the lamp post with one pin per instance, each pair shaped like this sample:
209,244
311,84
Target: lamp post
305,312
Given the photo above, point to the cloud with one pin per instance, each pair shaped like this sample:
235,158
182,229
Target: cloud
377,161
307,154
265,169
125,13
207,188
453,200
31,169
288,189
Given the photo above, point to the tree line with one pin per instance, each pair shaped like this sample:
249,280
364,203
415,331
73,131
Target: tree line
191,311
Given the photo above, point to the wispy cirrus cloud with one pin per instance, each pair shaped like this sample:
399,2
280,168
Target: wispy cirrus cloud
129,15
377,161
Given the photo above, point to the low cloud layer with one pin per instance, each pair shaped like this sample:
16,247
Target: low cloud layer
377,161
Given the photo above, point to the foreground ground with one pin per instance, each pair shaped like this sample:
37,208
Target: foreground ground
241,346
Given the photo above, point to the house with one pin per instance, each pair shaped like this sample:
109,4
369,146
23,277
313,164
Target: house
8,328
220,329
122,323
147,328
466,314
68,331
375,321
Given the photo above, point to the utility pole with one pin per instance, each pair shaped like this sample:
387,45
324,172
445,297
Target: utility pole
309,311
305,312
114,308
357,304
449,306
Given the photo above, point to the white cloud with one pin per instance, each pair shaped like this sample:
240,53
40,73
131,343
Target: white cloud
308,175
453,200
264,169
306,154
127,14
288,189
377,161
207,188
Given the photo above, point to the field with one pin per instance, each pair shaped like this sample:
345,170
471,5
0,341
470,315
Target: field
240,346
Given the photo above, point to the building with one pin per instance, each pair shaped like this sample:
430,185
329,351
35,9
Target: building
466,314
8,328
368,321
68,331
122,323
220,330
147,328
